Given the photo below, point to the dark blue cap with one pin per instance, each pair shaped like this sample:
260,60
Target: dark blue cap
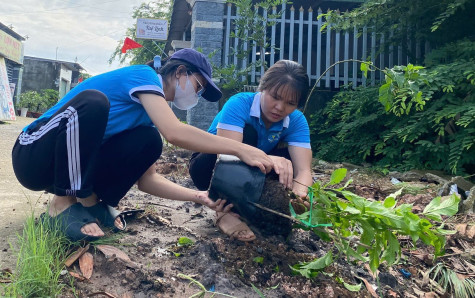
197,59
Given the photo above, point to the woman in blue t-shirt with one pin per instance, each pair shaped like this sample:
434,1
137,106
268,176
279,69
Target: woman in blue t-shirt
270,121
105,135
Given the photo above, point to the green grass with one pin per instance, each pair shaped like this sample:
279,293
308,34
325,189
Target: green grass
40,252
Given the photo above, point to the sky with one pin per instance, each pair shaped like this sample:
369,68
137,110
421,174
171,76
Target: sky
82,31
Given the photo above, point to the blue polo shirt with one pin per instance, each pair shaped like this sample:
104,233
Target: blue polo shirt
245,108
126,111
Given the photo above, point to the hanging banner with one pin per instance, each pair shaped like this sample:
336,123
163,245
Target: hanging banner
152,29
7,111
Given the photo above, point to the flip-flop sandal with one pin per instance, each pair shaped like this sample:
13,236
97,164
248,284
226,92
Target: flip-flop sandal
106,215
70,222
234,231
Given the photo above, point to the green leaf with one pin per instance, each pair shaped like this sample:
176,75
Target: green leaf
337,176
389,202
320,263
396,194
436,208
184,241
258,260
353,288
311,269
257,291
364,69
393,249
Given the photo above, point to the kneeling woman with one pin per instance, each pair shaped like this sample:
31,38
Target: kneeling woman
270,121
105,135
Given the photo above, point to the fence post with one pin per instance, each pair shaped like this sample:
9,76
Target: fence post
337,56
228,33
236,41
319,46
382,53
373,56
347,56
282,32
272,40
299,57
263,50
291,34
328,54
355,56
309,44
391,50
364,51
253,52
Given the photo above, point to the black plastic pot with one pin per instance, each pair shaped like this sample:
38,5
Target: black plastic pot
237,183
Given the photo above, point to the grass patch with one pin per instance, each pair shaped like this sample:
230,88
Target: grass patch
40,253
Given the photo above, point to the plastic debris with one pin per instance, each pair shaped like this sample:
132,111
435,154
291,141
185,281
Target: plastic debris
405,273
394,180
453,189
211,289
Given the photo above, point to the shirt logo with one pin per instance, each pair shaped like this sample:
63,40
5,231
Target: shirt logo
274,137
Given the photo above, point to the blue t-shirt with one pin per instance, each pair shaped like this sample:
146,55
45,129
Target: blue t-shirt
126,111
245,108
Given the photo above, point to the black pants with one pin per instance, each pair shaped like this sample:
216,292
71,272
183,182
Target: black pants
65,154
202,164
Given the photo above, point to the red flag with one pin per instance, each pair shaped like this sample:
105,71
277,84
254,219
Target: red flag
130,44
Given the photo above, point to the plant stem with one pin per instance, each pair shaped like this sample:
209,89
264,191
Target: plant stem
330,67
299,222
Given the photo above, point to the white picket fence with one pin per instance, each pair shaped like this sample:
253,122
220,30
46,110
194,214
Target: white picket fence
297,36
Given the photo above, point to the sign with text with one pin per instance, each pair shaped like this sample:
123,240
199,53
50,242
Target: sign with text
10,47
7,111
152,29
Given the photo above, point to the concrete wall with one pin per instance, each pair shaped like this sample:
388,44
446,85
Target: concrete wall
39,75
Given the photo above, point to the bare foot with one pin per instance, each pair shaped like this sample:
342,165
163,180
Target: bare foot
59,204
118,223
230,224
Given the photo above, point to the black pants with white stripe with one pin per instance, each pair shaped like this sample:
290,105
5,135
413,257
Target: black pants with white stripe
65,154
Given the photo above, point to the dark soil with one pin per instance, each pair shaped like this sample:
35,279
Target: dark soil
234,267
276,197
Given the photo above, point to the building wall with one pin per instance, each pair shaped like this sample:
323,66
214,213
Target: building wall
39,75
65,77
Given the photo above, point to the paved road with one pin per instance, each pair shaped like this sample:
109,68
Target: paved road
16,202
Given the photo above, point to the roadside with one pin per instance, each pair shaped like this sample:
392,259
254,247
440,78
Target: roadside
16,202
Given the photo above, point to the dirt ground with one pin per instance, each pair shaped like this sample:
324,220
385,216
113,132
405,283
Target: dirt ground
149,262
16,202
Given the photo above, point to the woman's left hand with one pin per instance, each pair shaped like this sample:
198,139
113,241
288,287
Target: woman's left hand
219,205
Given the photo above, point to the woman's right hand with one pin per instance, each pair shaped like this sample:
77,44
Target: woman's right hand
255,158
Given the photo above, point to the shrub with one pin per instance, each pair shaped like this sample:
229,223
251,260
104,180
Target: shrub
355,127
38,101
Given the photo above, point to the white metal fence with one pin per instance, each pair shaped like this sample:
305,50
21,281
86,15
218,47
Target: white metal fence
297,35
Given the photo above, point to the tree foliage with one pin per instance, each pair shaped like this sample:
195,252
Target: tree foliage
427,116
354,126
436,21
152,10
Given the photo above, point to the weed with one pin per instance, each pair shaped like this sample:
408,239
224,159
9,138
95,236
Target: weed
40,259
449,280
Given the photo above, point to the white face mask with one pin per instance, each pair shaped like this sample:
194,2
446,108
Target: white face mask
187,98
